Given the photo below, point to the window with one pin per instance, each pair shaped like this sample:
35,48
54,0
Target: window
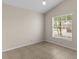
62,26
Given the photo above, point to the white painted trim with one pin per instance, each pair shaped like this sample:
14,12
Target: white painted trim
26,44
61,45
63,15
35,42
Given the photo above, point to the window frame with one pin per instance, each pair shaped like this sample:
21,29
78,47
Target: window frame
66,38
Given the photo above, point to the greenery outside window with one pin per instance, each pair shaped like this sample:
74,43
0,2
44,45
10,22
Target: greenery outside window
62,26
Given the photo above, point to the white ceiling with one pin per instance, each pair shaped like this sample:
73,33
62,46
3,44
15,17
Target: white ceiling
35,5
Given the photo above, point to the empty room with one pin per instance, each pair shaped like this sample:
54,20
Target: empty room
39,29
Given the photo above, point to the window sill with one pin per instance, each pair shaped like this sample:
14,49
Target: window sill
69,39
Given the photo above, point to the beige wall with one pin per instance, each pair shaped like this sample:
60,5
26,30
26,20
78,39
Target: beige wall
66,7
21,27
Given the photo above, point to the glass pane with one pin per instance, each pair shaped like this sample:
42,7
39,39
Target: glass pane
62,26
69,17
63,17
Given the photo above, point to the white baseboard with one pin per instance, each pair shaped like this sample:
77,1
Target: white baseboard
22,45
61,45
34,42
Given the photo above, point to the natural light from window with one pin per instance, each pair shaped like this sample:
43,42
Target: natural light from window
62,26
